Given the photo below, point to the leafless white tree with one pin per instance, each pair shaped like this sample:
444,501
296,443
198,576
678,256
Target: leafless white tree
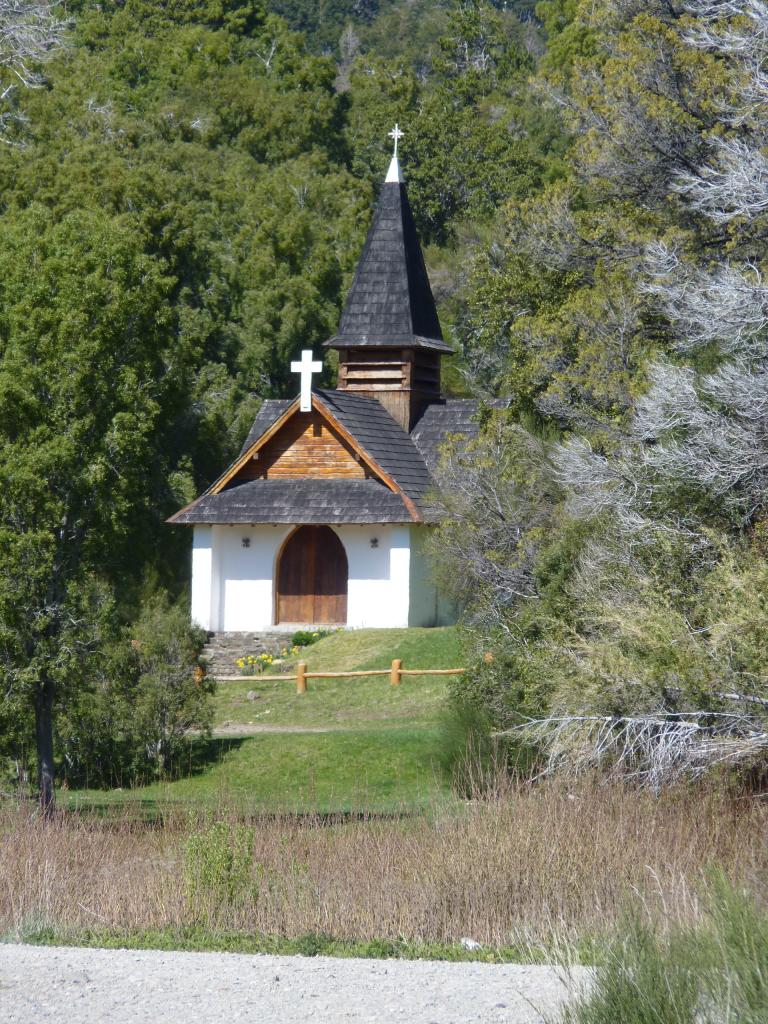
708,432
693,432
652,749
738,30
30,31
489,516
598,486
724,305
734,183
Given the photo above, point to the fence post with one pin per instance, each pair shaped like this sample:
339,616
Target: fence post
394,675
301,677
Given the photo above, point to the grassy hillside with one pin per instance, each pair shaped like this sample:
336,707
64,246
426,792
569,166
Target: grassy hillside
376,771
350,703
372,747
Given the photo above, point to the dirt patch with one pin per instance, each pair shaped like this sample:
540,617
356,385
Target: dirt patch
244,729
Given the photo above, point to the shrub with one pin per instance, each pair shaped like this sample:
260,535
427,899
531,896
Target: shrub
133,721
305,637
716,973
473,758
218,864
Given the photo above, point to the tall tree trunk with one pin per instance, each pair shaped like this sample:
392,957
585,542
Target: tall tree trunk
44,741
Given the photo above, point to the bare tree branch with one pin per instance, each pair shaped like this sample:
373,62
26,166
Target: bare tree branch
733,184
30,32
654,750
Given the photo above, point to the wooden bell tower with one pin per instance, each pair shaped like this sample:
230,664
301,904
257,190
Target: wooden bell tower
389,340
404,380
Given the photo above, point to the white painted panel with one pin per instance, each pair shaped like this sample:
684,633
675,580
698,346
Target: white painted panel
378,575
202,577
400,575
246,575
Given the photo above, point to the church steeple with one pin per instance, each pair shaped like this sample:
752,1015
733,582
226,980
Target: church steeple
389,337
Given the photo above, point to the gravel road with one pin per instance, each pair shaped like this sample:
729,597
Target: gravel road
39,984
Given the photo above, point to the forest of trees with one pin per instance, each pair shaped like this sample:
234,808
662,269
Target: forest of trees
184,191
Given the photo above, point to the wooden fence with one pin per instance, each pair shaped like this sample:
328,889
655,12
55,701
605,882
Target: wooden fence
395,673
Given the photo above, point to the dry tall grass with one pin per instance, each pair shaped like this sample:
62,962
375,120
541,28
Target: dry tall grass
532,865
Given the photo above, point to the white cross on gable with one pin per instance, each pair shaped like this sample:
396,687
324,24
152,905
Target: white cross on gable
396,134
306,367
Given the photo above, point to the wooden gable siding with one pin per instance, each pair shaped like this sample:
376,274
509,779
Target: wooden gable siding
306,446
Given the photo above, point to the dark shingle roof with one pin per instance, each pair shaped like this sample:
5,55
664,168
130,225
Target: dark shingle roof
303,502
381,437
441,420
270,410
407,459
390,301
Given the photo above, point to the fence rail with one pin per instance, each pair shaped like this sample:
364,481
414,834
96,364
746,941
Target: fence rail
395,673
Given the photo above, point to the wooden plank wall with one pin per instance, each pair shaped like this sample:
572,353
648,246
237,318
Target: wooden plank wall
305,447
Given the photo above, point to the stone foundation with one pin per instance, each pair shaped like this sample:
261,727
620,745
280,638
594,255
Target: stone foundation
222,651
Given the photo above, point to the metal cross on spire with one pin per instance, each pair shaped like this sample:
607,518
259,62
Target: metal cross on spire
306,367
396,134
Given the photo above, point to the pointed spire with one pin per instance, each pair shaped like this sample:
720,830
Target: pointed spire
390,302
393,174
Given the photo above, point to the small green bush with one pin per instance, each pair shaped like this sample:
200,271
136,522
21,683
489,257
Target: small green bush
473,758
640,982
218,864
716,973
468,754
131,722
306,637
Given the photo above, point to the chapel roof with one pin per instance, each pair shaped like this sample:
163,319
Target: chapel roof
408,459
382,438
302,502
390,303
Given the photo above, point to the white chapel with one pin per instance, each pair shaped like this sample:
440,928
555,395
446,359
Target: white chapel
322,517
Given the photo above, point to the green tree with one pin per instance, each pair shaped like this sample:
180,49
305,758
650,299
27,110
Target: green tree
172,692
464,152
214,135
628,311
84,334
146,692
181,167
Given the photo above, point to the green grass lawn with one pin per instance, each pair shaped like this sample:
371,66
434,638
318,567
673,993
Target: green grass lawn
351,703
362,649
381,753
379,771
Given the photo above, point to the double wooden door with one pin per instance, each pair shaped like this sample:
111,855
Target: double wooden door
312,577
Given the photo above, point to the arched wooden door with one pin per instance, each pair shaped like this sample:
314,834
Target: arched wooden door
312,577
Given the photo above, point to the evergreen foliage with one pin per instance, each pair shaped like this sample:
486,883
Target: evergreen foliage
626,312
176,223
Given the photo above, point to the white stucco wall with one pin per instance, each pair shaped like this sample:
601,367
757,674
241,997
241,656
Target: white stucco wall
427,607
204,579
233,586
245,583
379,576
